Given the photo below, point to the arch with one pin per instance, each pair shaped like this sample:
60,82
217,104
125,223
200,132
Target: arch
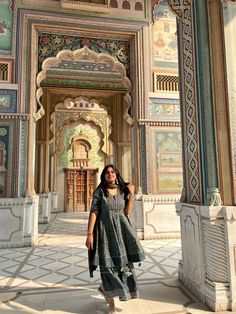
97,61
80,151
138,6
114,4
83,113
126,5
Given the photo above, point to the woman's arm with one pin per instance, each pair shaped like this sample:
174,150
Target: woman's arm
130,204
91,223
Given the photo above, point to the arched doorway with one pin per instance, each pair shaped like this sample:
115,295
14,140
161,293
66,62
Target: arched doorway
85,124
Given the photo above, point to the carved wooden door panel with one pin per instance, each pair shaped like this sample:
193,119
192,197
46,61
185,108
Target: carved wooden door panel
80,191
80,187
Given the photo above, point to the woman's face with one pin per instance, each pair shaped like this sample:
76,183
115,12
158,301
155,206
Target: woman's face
110,175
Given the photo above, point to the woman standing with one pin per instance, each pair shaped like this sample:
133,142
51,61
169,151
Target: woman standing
111,238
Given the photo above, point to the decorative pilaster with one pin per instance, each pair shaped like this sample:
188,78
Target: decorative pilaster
143,158
205,99
190,115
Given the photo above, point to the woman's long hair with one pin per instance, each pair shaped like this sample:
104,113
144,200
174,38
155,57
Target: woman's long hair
120,182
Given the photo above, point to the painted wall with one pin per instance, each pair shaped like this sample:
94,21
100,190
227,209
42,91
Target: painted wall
6,25
165,53
165,160
93,136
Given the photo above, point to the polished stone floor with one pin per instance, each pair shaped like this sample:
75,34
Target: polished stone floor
52,277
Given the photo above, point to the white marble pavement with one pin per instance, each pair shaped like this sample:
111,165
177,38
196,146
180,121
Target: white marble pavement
53,277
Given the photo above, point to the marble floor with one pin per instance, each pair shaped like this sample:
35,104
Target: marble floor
52,277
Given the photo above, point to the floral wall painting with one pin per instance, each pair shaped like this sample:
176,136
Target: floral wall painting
6,24
170,182
166,161
4,133
3,176
85,131
8,100
51,44
165,52
163,109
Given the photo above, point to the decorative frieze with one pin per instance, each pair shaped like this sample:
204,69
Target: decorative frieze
159,123
96,6
16,116
160,199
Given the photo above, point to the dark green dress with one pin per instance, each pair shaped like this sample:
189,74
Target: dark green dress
116,246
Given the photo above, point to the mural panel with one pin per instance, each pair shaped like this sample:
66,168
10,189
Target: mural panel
163,109
165,53
6,24
83,131
8,100
6,152
51,44
166,161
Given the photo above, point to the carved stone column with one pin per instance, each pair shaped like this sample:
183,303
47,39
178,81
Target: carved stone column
207,267
204,82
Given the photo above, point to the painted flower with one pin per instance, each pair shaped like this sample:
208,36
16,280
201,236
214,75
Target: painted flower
57,40
102,44
112,45
68,40
123,47
85,42
44,50
46,40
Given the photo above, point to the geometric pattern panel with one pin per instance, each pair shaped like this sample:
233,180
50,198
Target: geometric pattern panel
183,10
59,259
22,157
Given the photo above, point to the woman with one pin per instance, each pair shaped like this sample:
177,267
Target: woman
112,238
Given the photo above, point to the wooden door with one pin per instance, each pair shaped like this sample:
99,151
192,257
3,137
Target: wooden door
80,187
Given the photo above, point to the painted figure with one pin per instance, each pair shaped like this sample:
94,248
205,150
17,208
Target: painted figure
111,241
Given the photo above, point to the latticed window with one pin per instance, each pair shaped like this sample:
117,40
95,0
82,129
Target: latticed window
167,83
80,150
4,75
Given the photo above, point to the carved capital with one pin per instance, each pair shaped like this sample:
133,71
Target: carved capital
213,197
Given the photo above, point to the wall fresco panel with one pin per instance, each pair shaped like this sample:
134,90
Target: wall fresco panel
6,25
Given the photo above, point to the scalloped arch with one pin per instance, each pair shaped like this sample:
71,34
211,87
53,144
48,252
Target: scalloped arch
85,54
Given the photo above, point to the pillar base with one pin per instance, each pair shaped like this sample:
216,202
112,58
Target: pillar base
159,217
53,198
44,208
208,261
19,221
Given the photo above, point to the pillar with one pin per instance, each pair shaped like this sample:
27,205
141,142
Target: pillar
206,210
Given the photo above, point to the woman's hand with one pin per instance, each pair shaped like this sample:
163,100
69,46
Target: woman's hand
131,188
89,241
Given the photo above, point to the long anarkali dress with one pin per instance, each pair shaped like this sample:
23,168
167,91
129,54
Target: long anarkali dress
116,246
